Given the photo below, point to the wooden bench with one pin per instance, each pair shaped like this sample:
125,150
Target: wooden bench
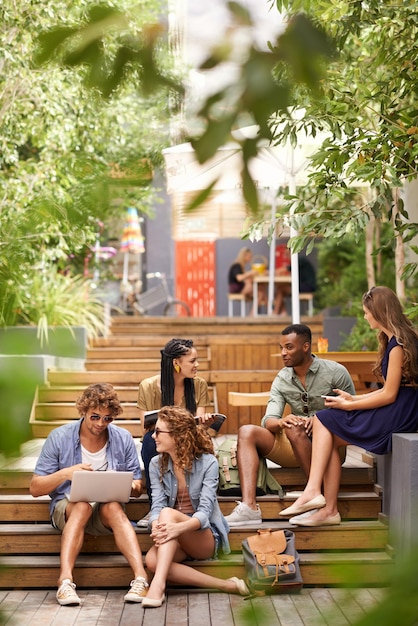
235,398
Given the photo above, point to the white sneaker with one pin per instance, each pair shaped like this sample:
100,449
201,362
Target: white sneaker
242,515
138,590
66,594
143,523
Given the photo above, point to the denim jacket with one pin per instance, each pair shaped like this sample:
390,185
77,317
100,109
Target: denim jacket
202,484
62,449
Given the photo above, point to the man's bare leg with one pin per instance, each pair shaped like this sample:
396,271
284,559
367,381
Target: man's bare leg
254,442
302,447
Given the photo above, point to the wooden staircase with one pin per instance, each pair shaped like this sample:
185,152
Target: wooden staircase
354,552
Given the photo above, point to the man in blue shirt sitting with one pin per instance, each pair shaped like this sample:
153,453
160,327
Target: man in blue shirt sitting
91,443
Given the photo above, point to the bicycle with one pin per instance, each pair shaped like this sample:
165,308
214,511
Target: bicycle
160,294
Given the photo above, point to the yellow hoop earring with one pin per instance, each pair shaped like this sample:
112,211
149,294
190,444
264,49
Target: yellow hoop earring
177,368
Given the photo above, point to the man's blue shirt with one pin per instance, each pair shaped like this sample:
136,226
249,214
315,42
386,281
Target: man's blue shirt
62,449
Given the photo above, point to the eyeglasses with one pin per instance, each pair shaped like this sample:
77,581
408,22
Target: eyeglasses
107,419
158,431
305,399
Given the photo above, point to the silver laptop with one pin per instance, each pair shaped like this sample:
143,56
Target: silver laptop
100,486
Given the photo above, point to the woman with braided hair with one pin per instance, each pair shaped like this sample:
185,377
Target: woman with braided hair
177,385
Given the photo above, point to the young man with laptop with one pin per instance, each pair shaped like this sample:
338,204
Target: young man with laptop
91,447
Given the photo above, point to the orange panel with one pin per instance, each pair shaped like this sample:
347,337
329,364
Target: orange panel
195,276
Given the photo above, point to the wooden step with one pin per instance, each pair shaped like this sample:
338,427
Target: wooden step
68,411
146,342
135,365
356,505
70,393
360,479
138,352
42,538
352,505
112,570
85,378
181,326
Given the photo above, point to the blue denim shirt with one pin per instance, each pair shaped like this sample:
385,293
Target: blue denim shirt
202,484
63,449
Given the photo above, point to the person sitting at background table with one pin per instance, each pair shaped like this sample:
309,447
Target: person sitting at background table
176,384
240,280
186,520
307,284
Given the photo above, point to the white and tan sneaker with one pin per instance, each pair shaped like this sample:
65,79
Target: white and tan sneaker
66,594
138,590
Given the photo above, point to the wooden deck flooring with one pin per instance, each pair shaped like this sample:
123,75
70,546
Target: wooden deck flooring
312,607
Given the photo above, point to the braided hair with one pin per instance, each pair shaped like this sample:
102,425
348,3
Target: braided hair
174,349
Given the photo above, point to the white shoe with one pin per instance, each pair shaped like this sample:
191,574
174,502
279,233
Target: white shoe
302,516
143,523
242,515
66,594
296,509
138,590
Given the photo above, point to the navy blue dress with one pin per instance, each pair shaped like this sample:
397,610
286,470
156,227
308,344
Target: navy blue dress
372,429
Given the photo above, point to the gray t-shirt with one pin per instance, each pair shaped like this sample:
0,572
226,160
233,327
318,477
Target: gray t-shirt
322,377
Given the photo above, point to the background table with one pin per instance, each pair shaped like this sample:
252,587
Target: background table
264,279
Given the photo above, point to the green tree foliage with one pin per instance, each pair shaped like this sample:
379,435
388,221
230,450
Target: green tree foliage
367,105
61,142
341,274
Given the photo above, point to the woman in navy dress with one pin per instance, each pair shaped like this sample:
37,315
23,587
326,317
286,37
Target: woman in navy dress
366,420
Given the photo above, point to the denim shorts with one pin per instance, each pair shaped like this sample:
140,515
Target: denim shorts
217,538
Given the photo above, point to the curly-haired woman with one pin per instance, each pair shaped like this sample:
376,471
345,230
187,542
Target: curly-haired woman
186,521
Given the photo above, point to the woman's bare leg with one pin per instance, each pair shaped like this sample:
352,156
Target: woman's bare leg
325,466
322,444
181,574
165,560
331,487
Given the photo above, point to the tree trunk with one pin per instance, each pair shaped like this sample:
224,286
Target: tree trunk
371,281
399,250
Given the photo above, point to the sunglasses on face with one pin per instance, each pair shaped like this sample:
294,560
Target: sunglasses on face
96,418
158,432
305,399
